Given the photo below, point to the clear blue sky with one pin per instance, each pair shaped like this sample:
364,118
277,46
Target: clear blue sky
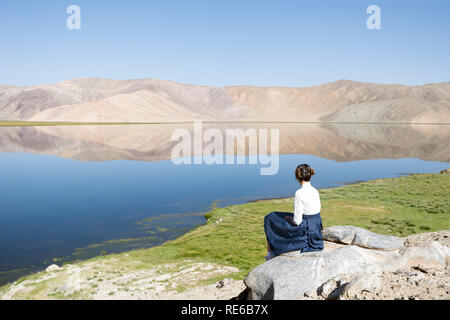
226,42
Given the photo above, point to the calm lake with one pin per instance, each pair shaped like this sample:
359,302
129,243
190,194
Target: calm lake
73,192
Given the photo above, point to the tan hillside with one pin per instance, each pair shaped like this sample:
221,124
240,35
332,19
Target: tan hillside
122,108
147,100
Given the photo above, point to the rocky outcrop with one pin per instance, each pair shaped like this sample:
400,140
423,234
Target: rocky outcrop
353,261
362,238
411,284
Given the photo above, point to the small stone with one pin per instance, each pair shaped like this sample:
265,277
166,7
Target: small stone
309,294
223,283
52,268
64,288
327,287
366,283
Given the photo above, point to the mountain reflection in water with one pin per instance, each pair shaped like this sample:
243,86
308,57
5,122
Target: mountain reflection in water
339,142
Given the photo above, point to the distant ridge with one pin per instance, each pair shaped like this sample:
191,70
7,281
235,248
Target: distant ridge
146,100
6,86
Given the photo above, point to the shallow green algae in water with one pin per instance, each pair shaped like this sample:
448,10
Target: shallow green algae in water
159,229
156,231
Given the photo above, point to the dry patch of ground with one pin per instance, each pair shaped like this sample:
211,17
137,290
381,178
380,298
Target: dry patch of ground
103,279
407,284
443,237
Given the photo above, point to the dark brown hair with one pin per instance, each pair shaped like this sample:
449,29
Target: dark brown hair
304,172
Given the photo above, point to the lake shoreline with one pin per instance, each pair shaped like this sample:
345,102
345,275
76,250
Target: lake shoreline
82,254
224,242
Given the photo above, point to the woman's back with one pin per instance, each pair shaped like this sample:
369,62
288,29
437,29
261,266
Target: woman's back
307,202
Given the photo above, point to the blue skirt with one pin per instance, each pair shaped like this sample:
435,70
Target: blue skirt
283,237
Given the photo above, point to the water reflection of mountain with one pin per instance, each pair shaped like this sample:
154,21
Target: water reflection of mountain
340,142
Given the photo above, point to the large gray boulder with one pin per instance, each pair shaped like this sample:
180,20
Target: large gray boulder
362,238
291,275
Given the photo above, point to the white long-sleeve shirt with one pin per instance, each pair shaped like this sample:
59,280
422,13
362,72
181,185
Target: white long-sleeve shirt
307,201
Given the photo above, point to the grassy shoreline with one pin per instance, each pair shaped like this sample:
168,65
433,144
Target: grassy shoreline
233,236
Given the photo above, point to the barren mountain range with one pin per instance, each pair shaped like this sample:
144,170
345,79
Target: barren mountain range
150,100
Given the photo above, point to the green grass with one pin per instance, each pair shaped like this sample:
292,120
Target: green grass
399,206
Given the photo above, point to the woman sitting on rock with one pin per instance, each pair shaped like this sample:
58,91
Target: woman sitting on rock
302,230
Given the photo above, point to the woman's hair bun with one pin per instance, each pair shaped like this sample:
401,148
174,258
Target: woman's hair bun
303,172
